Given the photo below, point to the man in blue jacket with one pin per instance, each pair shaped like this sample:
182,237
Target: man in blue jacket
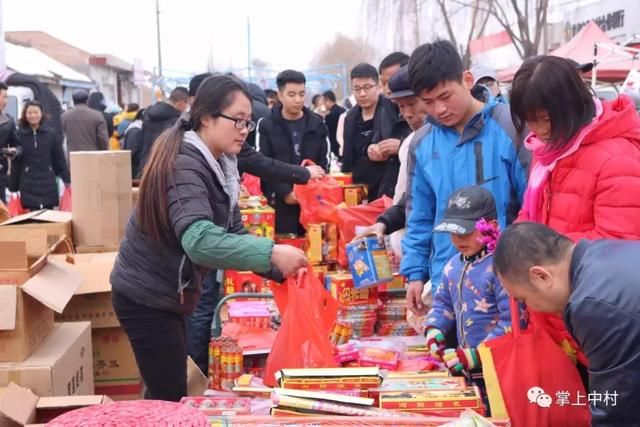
596,287
468,143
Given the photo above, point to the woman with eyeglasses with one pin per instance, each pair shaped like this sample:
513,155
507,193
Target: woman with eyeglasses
187,223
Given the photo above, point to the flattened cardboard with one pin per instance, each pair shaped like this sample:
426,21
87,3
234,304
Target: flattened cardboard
61,366
54,285
17,404
92,300
102,196
197,382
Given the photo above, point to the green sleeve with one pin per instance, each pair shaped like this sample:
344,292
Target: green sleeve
211,246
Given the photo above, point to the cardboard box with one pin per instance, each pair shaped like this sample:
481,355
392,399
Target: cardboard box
56,225
21,406
342,289
245,281
343,178
92,300
114,365
355,194
135,194
61,366
368,262
322,243
101,196
30,288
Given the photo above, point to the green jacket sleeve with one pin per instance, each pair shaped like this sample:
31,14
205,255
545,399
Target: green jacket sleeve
211,246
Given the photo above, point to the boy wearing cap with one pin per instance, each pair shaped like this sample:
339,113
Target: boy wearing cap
469,296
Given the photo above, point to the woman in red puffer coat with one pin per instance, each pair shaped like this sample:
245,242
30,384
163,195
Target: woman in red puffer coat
585,171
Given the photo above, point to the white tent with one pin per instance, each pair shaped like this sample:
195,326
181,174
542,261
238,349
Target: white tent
27,60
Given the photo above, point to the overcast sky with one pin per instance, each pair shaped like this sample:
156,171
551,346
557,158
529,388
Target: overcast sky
284,33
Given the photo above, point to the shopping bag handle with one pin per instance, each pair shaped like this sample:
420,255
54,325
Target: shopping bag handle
515,317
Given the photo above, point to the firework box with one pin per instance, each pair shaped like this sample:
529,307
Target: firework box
433,402
259,221
368,262
343,178
417,383
355,194
385,359
396,283
245,281
292,240
329,378
322,243
341,287
415,375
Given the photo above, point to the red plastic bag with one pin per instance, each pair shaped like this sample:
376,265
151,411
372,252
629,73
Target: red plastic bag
351,217
65,200
318,199
303,338
527,374
15,205
252,184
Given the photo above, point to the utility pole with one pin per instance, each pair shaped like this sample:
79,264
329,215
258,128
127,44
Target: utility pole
249,49
158,39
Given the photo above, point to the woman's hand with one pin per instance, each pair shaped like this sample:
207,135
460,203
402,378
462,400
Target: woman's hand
288,259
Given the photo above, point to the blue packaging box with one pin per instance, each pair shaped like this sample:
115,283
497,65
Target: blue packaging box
368,262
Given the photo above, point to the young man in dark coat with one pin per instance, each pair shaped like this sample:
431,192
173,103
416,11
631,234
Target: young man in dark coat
373,130
291,134
595,286
331,120
160,117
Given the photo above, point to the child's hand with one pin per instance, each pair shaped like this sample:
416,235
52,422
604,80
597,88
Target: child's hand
435,342
461,359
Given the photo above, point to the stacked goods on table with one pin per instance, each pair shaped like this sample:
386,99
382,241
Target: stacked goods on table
225,362
357,307
392,310
214,406
259,219
250,313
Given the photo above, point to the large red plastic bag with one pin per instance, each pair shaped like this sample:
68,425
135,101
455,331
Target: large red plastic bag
65,200
319,199
303,338
531,380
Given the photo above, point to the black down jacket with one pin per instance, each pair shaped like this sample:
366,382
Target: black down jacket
34,172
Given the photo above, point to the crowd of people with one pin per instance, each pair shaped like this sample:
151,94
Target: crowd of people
461,160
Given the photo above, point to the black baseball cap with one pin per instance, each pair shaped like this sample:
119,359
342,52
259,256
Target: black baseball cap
399,84
465,207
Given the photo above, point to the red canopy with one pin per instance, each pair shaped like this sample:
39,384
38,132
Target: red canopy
611,66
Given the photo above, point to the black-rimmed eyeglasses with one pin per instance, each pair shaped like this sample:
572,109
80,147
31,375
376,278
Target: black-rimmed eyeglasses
240,123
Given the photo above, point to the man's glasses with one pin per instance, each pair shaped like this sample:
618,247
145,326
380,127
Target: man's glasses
240,123
366,88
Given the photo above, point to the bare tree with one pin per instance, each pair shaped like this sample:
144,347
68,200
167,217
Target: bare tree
258,63
478,23
530,19
343,50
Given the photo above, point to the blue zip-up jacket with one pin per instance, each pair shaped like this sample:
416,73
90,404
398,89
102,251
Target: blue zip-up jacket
471,299
489,153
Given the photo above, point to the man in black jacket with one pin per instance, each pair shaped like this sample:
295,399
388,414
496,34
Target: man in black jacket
331,120
160,117
8,141
291,134
373,130
594,286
